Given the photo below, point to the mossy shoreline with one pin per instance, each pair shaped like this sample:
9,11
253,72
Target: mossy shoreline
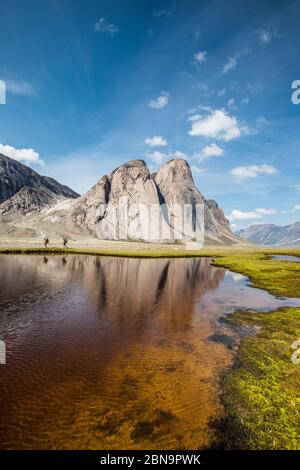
261,393
172,252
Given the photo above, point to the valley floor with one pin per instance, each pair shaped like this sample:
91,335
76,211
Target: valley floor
261,394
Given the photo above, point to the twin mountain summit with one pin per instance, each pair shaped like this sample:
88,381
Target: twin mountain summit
32,206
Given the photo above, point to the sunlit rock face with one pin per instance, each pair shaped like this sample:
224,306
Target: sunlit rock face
133,208
176,186
133,205
87,210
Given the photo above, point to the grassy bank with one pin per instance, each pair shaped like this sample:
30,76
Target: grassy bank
262,393
151,253
278,277
224,255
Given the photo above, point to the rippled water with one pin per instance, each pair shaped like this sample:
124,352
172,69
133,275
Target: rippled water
107,353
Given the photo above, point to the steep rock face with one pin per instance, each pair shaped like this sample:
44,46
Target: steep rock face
273,235
181,199
218,215
14,176
132,195
88,209
131,204
176,185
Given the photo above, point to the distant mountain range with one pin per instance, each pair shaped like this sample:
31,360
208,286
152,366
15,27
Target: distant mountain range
273,235
32,205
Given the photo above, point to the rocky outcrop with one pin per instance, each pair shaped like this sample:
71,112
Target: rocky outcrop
176,186
117,207
132,204
218,218
27,200
14,176
128,204
88,209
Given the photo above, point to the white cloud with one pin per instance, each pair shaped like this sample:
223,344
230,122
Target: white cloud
229,65
262,211
265,36
200,57
296,187
196,169
207,152
156,141
255,214
195,117
233,60
296,207
22,155
254,87
246,100
218,125
222,92
212,150
159,102
105,27
231,102
260,124
160,157
156,156
179,154
162,13
20,87
252,171
201,86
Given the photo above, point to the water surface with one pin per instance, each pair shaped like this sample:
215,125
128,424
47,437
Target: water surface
295,259
108,353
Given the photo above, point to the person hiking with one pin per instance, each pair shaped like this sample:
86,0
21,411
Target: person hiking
46,241
65,242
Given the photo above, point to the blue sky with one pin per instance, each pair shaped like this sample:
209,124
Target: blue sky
92,84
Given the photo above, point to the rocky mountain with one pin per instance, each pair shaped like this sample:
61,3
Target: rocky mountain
23,190
118,195
273,235
128,204
27,200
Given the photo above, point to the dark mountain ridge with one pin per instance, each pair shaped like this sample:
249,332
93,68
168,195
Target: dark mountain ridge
15,175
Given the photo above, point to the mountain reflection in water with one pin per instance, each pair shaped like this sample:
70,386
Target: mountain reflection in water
115,353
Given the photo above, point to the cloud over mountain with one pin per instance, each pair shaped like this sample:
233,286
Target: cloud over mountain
26,155
252,171
218,124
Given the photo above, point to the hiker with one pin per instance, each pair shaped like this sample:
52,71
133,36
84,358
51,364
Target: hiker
46,241
65,242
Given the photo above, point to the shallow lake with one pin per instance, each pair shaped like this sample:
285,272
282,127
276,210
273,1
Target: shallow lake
108,353
295,259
